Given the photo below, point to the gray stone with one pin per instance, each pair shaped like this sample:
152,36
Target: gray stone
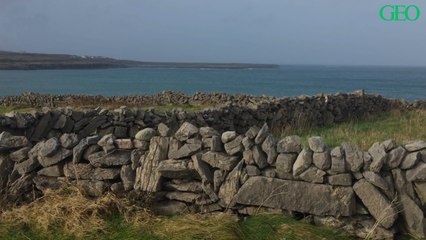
127,175
68,140
220,160
180,169
92,188
259,157
402,186
52,171
107,143
187,150
142,145
59,156
8,141
91,150
415,145
338,164
262,134
163,130
188,197
231,185
290,144
269,172
78,150
389,145
48,148
247,143
208,132
313,175
377,204
20,155
228,136
378,153
106,173
410,160
284,164
216,144
124,144
186,131
234,146
135,157
317,199
376,180
169,208
218,178
42,127
94,123
322,160
395,157
252,170
354,157
252,132
344,179
145,134
248,157
78,171
303,161
192,186
420,188
43,183
203,169
26,166
6,167
118,188
270,148
413,217
316,144
115,158
418,173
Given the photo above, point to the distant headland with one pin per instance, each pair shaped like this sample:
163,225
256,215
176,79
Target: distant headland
35,61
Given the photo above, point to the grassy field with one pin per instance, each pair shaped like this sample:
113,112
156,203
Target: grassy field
67,214
401,126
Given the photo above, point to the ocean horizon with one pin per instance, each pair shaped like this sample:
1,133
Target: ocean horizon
287,80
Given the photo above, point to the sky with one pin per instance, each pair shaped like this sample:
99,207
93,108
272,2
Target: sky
337,32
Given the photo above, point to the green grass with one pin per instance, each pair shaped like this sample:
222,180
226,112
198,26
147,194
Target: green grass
401,126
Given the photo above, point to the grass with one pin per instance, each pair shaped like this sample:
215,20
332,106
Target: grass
398,125
67,214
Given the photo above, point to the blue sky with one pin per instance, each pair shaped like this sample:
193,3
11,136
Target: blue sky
348,32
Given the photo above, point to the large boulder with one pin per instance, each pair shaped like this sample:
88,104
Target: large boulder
317,199
354,157
377,204
378,153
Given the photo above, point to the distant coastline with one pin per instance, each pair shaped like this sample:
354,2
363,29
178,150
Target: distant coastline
39,61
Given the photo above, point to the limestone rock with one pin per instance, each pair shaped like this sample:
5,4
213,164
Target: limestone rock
303,161
376,180
354,157
169,208
186,131
145,134
284,164
338,164
313,175
418,173
415,145
410,160
395,157
228,136
231,185
59,156
252,170
220,160
290,144
48,148
252,132
377,204
68,140
115,158
106,173
43,183
378,153
20,155
192,186
202,169
78,171
248,157
317,199
316,144
247,143
92,188
27,166
389,144
107,143
8,141
413,217
78,150
218,178
52,171
262,134
188,197
124,144
344,179
259,157
322,160
163,129
127,175
187,150
180,169
234,146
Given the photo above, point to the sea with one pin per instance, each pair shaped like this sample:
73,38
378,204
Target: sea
392,82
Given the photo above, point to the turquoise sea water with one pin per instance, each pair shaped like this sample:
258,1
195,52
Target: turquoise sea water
394,82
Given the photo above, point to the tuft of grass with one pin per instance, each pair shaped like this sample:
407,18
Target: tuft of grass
399,125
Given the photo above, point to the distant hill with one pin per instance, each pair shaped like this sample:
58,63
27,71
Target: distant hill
32,61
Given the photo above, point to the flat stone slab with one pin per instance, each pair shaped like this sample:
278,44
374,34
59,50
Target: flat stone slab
317,199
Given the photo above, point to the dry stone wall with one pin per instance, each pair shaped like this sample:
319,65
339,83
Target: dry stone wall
375,193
